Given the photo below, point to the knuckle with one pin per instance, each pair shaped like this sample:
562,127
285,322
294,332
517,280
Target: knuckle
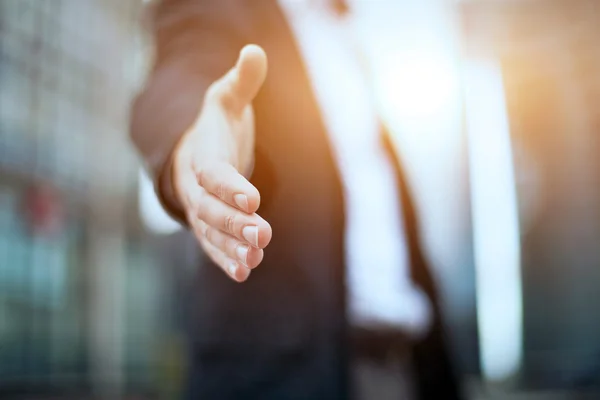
194,202
200,175
200,212
203,227
230,223
198,207
231,245
209,235
220,190
201,235
198,230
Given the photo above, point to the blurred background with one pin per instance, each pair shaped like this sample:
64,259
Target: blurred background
494,109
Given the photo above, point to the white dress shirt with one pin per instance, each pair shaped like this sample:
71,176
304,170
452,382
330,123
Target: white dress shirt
380,291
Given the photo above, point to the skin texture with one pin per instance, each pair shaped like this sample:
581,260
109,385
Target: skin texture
209,165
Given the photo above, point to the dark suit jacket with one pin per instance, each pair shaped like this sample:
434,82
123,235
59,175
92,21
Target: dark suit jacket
281,334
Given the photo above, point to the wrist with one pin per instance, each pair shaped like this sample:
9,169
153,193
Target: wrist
167,194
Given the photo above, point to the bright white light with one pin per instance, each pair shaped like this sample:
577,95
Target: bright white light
420,84
495,222
152,213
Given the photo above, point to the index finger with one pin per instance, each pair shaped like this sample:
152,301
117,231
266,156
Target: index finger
226,183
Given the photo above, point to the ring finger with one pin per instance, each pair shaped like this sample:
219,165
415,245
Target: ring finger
234,248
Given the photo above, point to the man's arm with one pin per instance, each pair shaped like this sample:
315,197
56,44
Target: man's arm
194,125
196,42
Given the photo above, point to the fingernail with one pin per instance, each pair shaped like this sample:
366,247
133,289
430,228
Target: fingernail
233,268
241,200
245,274
242,253
250,233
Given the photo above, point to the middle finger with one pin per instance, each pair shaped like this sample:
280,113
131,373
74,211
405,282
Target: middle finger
250,228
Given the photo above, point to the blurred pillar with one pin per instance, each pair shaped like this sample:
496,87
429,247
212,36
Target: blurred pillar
112,173
63,112
105,323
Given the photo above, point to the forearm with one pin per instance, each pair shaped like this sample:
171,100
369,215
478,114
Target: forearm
163,111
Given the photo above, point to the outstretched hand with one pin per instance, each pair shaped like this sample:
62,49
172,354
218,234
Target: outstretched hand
210,161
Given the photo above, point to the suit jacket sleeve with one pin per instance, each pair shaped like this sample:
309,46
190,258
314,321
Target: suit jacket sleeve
196,42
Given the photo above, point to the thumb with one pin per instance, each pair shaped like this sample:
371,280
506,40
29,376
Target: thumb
241,84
